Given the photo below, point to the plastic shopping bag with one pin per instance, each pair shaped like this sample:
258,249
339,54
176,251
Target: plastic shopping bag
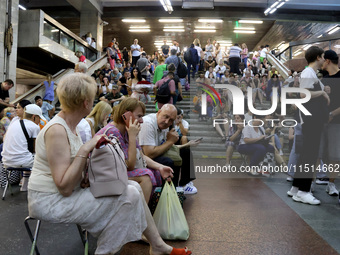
169,216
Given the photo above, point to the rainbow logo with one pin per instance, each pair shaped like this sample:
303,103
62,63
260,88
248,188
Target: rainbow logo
204,97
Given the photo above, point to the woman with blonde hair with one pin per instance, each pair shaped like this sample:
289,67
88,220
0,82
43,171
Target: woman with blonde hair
98,116
159,71
244,54
54,185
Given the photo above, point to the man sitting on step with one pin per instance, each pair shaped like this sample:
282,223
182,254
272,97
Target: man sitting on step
156,139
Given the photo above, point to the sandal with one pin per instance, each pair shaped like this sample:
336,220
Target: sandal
184,251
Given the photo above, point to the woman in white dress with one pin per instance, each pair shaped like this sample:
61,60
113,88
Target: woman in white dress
54,192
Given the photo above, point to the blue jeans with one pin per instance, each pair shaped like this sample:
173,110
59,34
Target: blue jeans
245,61
277,142
191,66
256,151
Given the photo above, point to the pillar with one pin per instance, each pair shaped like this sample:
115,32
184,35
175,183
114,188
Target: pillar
9,13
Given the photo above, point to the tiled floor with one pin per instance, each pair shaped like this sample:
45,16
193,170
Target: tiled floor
227,216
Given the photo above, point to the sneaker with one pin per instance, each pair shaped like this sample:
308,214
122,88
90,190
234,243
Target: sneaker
254,172
190,189
322,181
293,191
290,179
306,198
331,189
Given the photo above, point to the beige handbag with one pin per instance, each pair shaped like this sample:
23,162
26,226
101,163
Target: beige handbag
107,170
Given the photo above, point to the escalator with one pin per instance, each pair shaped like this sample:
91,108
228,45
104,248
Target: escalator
280,67
39,90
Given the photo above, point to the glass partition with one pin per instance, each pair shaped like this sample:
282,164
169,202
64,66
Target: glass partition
51,32
67,41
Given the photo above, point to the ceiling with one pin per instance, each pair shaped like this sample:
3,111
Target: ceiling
291,22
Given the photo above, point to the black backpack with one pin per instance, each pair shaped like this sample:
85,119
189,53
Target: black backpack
163,93
187,56
181,69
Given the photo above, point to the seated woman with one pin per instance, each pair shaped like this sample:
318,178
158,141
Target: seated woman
254,142
98,117
181,127
127,132
55,195
234,137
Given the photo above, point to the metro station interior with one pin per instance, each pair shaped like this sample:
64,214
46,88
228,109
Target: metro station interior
230,214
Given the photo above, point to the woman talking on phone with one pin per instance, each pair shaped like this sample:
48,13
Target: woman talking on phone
126,126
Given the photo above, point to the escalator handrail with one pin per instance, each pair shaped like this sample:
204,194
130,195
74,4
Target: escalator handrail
55,76
278,63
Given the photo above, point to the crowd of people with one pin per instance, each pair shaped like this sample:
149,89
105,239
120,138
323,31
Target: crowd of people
55,147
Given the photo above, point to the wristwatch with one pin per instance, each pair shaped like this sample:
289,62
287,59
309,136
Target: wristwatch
330,114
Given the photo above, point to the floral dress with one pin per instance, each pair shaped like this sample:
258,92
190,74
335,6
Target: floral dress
155,175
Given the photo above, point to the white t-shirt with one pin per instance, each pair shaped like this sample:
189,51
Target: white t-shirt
263,53
135,53
218,67
207,75
176,48
15,152
84,129
105,90
150,134
199,50
89,40
308,78
184,123
249,132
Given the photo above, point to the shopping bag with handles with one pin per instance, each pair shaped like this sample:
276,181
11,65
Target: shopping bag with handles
169,216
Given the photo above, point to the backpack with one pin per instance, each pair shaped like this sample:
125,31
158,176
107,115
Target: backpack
181,69
187,56
163,93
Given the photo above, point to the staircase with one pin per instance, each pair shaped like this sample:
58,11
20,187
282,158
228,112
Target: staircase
211,146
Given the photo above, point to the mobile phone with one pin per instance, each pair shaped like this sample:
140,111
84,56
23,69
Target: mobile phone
269,136
199,139
126,117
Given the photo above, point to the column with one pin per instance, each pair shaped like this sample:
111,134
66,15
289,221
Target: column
90,21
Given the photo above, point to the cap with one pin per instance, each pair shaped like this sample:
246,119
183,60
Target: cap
34,109
331,55
114,86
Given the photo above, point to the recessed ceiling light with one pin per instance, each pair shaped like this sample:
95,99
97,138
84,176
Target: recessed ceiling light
307,46
244,28
170,20
205,27
134,20
250,21
139,27
173,30
139,30
244,31
272,11
337,46
319,36
205,30
282,3
210,20
174,27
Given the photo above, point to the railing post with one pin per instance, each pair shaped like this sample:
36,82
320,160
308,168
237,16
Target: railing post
290,52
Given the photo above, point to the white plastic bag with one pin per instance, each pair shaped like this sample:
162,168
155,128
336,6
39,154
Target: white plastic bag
169,216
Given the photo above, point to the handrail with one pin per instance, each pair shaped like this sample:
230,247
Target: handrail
283,69
55,76
67,31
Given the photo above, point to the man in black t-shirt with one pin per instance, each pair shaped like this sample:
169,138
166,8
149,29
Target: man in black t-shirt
165,49
122,83
4,95
332,80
